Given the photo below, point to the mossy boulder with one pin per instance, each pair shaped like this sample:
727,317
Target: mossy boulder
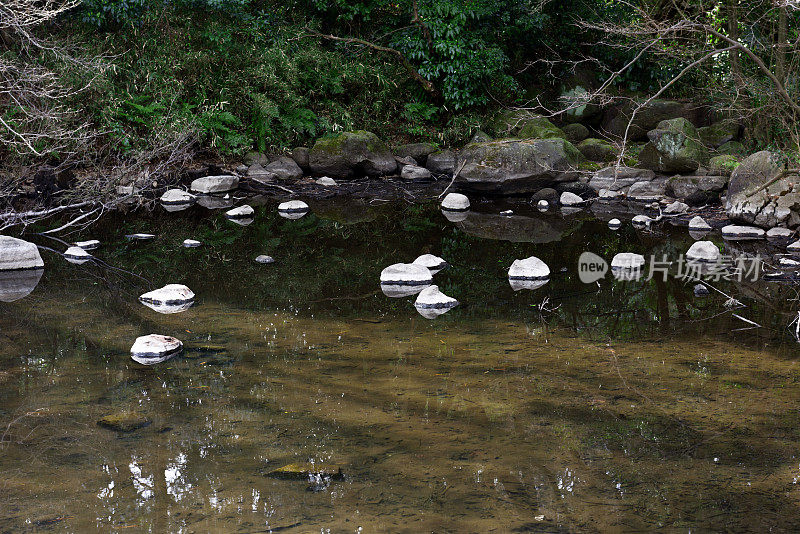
126,421
722,165
576,132
598,150
647,117
733,148
418,151
684,187
441,162
719,133
751,200
573,98
350,154
480,137
516,166
674,147
524,125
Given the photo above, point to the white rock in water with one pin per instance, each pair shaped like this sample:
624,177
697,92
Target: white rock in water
507,213
570,199
172,298
779,233
430,262
140,237
242,212
530,273
641,221
698,224
15,285
609,194
263,258
703,251
17,255
627,266
543,205
431,302
413,173
615,224
406,274
177,197
154,348
327,181
733,232
676,208
293,209
91,244
793,247
191,243
455,202
788,262
700,290
214,202
77,255
215,184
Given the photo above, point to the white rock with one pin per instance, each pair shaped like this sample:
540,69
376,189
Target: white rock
570,199
263,258
177,197
543,205
779,233
529,273
413,173
15,285
615,224
327,181
140,237
91,244
507,213
242,212
431,302
627,266
793,247
293,209
455,202
641,221
676,208
733,232
703,251
700,290
406,274
698,224
215,184
788,262
430,262
77,255
17,255
172,298
154,348
609,194
191,243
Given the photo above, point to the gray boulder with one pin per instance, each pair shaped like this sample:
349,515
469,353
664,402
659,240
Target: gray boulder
576,132
686,186
524,125
719,133
598,150
674,147
418,151
442,162
215,184
650,191
645,118
300,156
18,255
412,173
285,168
350,154
514,166
619,178
749,201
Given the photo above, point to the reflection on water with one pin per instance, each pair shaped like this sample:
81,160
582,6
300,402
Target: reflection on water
575,407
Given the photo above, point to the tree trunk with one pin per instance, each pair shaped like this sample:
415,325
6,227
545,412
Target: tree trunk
733,33
780,44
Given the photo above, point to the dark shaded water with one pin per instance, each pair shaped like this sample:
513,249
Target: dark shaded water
604,407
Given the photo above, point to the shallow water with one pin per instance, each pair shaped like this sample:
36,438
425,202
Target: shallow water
603,407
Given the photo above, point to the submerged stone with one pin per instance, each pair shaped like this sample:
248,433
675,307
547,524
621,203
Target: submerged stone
293,209
455,216
215,202
140,237
263,258
455,202
641,221
215,184
172,298
431,262
124,421
302,471
91,244
77,255
191,243
615,224
154,348
18,255
431,302
543,205
177,200
15,285
734,232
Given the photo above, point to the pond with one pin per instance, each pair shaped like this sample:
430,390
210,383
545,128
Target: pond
608,406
